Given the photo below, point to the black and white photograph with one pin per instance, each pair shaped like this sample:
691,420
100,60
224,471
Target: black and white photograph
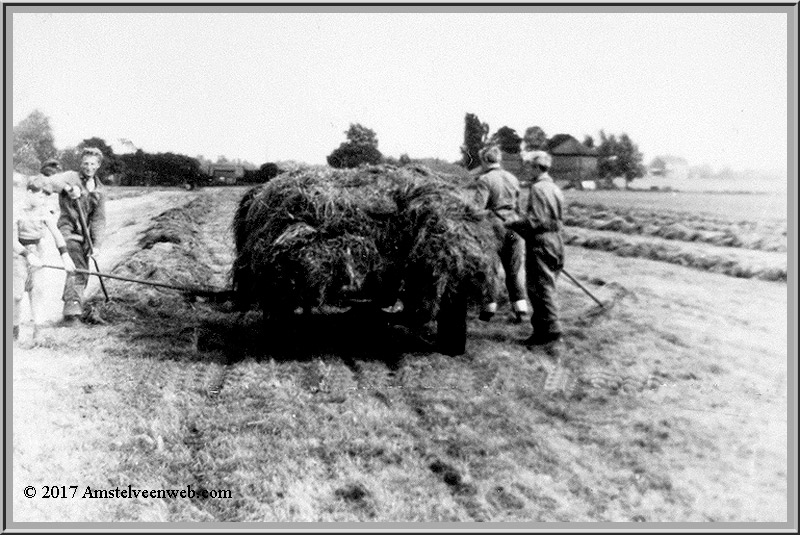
441,266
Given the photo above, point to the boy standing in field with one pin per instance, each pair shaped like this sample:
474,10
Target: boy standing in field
28,229
82,223
498,191
544,248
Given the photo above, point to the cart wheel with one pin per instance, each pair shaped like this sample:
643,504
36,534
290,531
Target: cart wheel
451,325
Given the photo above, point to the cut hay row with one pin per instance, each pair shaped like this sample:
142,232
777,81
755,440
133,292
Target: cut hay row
678,226
744,264
325,237
170,251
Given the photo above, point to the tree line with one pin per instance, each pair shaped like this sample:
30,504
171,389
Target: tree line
34,144
617,155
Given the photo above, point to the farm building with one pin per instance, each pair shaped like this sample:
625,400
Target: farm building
226,173
513,164
573,161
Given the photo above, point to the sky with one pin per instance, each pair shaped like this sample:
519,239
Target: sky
709,87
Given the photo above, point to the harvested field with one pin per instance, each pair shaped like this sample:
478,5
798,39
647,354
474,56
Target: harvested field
757,235
733,262
739,235
671,406
732,207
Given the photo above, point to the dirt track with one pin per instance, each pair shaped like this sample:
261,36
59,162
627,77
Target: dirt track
670,407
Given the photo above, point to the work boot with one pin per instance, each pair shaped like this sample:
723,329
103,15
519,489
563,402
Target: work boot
488,311
73,309
542,339
69,321
486,315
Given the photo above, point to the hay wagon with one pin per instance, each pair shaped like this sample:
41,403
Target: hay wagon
317,238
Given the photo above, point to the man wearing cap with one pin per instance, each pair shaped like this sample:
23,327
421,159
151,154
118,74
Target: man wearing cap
498,191
82,190
544,247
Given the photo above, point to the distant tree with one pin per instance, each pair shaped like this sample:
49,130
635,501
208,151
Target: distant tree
162,169
475,133
405,159
360,148
205,163
26,161
630,159
534,139
508,140
658,166
361,135
619,157
221,159
348,155
607,156
588,141
701,171
33,142
265,173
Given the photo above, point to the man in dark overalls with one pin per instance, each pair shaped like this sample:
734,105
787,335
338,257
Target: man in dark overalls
544,248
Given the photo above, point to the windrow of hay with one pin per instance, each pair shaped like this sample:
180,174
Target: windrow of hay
324,237
170,252
732,264
679,226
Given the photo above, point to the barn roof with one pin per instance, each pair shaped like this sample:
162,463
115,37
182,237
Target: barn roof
567,145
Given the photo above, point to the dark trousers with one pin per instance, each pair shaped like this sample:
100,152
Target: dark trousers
512,257
542,294
75,283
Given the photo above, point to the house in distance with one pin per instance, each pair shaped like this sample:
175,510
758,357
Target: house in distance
573,162
226,173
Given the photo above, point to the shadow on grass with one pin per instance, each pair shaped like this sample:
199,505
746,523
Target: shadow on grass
182,330
350,335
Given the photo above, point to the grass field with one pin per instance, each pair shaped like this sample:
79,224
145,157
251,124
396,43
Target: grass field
669,406
732,207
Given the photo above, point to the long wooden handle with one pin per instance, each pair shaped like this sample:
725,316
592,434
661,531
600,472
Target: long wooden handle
581,286
197,291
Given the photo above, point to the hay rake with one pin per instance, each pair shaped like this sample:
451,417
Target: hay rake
189,290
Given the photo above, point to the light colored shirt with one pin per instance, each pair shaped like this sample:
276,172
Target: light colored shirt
498,190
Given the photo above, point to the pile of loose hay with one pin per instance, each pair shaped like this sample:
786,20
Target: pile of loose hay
325,237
